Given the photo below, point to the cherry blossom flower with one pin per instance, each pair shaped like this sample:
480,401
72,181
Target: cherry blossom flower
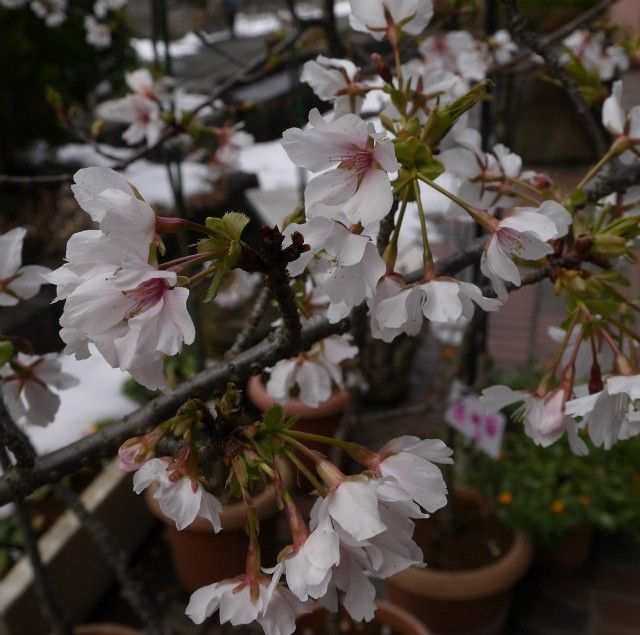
141,113
314,373
141,83
396,308
523,235
346,266
180,496
245,599
377,16
53,12
606,412
618,122
113,203
131,311
332,79
386,512
102,7
98,34
590,49
359,186
411,462
502,47
486,173
545,417
27,387
17,282
442,51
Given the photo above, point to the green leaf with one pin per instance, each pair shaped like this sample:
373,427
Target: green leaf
6,352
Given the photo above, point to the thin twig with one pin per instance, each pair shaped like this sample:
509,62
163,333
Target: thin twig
132,591
252,322
117,559
51,609
514,64
520,30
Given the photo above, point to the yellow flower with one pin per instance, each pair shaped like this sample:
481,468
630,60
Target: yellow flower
557,507
505,498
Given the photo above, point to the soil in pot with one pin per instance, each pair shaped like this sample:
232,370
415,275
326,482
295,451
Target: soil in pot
389,620
568,555
473,562
201,557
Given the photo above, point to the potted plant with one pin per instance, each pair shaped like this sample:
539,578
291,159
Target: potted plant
200,556
560,498
310,387
473,562
388,617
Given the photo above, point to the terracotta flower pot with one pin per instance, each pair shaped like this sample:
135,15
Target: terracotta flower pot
472,601
323,419
201,557
104,629
568,555
389,617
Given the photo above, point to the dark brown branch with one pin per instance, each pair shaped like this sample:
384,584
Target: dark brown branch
51,467
616,178
115,557
521,31
514,64
252,322
51,609
218,92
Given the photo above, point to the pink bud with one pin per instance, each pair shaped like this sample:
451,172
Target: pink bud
129,457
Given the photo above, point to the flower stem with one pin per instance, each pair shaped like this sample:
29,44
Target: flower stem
318,486
427,256
482,218
391,252
544,382
615,150
203,274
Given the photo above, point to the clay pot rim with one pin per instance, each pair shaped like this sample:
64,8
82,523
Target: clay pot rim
104,628
232,516
259,396
392,615
470,584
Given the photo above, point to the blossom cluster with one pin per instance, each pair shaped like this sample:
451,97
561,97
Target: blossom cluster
54,13
360,525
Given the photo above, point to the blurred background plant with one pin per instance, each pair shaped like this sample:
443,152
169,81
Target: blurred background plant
549,491
36,58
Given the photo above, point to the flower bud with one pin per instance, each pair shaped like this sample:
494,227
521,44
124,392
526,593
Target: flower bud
609,245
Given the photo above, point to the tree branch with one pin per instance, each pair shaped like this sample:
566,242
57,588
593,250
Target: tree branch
51,467
554,37
251,324
616,178
520,30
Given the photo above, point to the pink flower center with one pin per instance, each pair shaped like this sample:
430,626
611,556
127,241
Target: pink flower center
359,160
510,240
144,296
143,117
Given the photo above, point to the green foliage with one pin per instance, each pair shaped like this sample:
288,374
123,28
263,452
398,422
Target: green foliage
274,421
224,245
416,158
6,352
443,118
548,491
39,62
